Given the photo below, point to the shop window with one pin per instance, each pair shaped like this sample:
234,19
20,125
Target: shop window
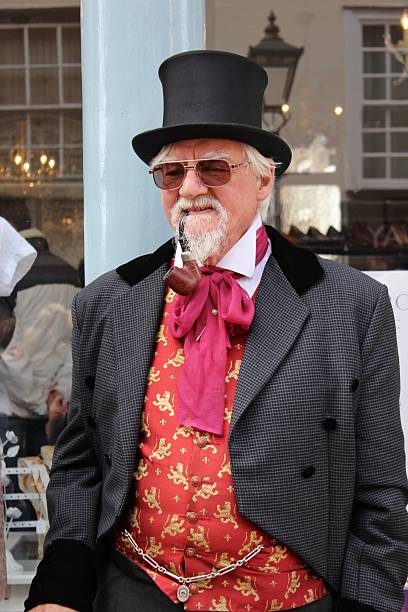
378,101
40,95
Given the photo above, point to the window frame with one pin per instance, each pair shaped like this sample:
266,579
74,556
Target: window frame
29,108
354,19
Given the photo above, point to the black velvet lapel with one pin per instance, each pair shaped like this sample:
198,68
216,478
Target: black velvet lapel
300,266
137,269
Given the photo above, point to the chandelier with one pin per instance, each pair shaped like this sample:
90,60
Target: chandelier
22,164
28,167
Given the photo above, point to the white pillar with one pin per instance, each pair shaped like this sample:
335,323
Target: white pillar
123,44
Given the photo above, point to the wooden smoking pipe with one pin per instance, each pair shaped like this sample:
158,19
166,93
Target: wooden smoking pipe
183,280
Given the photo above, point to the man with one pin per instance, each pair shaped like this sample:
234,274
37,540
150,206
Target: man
235,446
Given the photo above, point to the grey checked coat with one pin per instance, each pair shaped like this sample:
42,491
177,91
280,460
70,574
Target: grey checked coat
316,444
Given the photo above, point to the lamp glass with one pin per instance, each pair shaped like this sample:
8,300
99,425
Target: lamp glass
274,93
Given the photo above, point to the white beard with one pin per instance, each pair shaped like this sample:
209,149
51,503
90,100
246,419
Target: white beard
202,242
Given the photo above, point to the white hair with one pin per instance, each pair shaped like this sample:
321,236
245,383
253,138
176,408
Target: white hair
260,164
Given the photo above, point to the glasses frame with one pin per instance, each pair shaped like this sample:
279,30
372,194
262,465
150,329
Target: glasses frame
194,162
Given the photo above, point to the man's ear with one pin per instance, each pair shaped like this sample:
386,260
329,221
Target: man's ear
266,185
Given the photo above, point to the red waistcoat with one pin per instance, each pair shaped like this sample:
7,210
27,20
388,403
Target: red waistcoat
182,509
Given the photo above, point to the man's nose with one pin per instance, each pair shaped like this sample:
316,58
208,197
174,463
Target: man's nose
192,186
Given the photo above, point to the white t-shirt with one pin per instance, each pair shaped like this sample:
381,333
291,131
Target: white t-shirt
16,257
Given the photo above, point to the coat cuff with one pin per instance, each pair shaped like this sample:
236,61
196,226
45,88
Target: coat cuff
66,576
348,605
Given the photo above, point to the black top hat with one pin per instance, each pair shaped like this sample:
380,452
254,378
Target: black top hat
212,94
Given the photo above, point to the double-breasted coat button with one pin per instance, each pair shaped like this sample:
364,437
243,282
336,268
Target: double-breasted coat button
108,459
196,481
90,382
91,421
190,552
308,472
354,384
329,424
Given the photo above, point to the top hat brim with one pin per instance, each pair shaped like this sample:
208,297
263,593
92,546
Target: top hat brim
148,144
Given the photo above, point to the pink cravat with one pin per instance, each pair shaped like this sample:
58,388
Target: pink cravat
215,310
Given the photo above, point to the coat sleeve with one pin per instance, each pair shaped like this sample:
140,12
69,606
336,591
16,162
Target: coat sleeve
376,559
67,574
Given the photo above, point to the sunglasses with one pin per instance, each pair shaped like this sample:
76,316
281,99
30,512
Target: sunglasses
211,172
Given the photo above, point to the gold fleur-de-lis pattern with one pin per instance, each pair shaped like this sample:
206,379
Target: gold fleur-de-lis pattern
182,509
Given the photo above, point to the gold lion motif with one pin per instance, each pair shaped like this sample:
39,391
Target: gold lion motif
197,538
223,561
205,491
173,526
293,584
152,499
177,475
161,449
134,519
175,361
228,415
153,376
163,402
247,587
154,549
279,553
220,605
310,596
274,606
183,430
233,370
251,544
225,515
141,470
144,426
160,336
170,296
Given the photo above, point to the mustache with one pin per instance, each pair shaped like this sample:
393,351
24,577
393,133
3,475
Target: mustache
184,205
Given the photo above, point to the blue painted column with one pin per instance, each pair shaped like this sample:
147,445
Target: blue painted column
123,44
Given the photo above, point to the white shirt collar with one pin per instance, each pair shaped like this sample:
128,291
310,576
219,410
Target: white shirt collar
242,255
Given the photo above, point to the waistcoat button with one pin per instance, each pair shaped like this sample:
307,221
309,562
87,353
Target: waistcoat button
190,552
192,517
193,588
214,312
202,442
108,459
196,481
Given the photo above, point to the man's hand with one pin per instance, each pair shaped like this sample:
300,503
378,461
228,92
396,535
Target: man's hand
57,406
52,608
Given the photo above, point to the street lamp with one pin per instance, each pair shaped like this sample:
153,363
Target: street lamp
280,61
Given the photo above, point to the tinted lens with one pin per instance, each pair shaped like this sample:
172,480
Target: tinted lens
169,176
213,172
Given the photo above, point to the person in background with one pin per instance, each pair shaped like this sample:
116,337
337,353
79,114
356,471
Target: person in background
36,366
16,258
